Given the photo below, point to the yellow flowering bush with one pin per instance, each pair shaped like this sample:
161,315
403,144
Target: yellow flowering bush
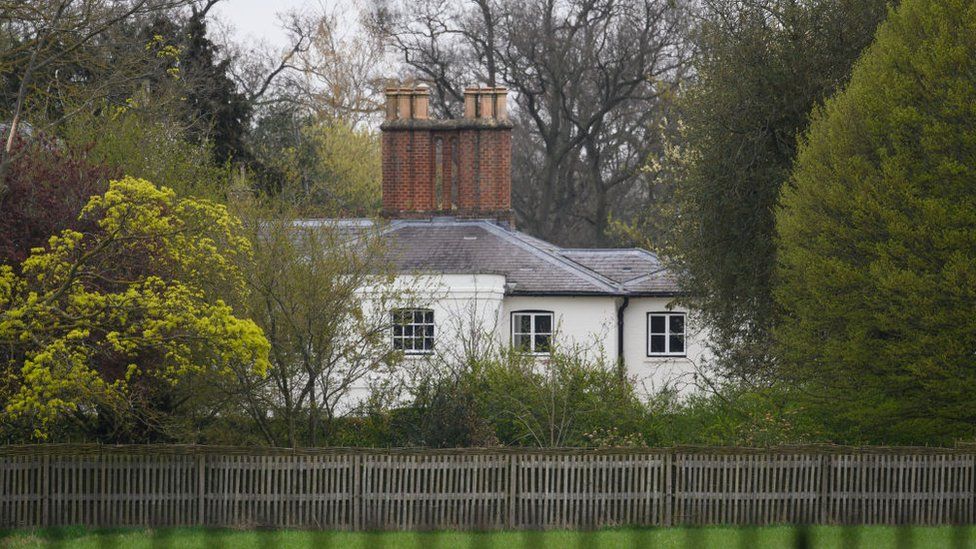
133,302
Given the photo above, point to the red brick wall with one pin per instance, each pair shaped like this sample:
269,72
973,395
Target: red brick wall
408,183
484,164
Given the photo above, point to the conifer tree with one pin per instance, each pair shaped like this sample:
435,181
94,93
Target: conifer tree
877,238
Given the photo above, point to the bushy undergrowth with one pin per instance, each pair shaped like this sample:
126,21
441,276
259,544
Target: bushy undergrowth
518,401
565,401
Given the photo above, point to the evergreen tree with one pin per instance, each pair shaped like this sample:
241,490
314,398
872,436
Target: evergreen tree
212,108
761,68
220,113
877,238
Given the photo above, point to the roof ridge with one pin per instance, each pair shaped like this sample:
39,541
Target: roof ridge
633,249
606,250
556,258
646,275
531,240
622,285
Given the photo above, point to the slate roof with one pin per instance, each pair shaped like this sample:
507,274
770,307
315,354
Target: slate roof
531,266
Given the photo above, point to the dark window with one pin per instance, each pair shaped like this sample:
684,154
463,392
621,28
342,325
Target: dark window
665,334
658,323
532,331
413,330
658,344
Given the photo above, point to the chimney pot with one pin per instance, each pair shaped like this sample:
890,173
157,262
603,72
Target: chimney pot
453,167
501,103
421,98
404,100
391,103
407,103
471,102
487,103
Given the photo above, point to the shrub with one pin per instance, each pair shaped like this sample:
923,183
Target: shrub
47,186
877,241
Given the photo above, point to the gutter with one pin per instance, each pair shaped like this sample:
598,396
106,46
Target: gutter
621,367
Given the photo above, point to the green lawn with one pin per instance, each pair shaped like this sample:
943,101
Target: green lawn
745,538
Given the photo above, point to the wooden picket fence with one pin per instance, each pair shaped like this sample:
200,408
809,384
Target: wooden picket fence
348,489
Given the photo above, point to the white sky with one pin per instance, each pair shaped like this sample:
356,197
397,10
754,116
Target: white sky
257,20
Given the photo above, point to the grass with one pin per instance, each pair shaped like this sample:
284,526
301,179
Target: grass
745,538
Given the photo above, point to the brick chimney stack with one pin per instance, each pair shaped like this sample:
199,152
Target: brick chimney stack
459,167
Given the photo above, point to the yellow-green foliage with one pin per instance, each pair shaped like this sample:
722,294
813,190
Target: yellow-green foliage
132,300
141,143
348,165
332,167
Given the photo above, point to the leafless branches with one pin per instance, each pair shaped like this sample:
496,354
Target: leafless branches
327,72
66,55
592,79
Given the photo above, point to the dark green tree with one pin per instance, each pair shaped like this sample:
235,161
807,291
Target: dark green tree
761,68
194,87
877,275
222,112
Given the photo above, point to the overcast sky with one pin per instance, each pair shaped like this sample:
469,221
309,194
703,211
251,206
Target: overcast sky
257,19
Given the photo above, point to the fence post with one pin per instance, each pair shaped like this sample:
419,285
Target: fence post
667,489
511,490
824,487
45,491
357,492
201,488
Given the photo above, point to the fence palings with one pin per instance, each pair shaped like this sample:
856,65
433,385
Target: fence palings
350,489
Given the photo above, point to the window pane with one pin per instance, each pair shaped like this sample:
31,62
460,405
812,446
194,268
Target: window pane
677,343
678,324
543,324
657,324
542,343
657,343
523,324
413,330
521,342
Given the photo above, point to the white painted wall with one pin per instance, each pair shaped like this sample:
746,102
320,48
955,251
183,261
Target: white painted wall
467,314
580,322
657,373
471,313
591,323
467,310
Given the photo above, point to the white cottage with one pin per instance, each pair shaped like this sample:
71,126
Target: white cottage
447,196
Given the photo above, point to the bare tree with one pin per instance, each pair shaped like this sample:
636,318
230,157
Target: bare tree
261,71
340,74
315,125
322,292
63,56
592,79
328,71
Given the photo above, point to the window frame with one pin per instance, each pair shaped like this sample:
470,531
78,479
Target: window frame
414,325
668,315
532,333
